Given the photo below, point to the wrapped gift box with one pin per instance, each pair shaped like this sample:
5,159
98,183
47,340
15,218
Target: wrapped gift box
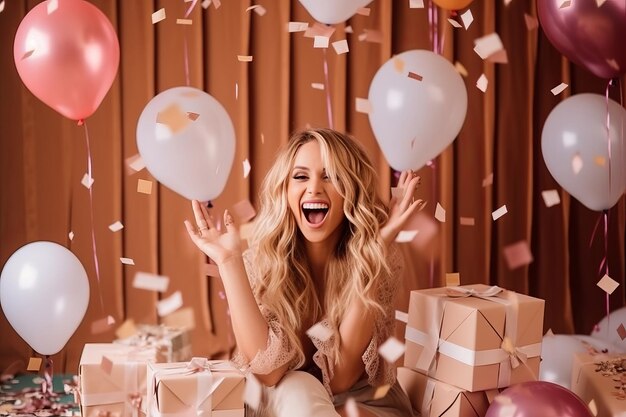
113,379
474,337
432,398
171,344
601,378
198,387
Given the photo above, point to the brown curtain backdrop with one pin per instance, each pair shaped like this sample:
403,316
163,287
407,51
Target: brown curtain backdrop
43,157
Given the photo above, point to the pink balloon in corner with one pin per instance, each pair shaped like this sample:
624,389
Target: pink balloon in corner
67,57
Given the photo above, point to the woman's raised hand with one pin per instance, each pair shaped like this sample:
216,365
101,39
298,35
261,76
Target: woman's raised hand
401,209
218,246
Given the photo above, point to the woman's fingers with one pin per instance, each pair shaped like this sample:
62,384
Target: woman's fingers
191,230
402,179
198,214
207,216
229,222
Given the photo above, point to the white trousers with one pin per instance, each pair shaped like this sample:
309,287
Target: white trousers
298,394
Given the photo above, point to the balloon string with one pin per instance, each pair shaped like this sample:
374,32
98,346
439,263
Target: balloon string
605,261
186,49
608,130
46,387
93,231
329,108
432,166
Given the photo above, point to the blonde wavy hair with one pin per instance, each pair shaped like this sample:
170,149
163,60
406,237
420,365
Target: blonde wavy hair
285,285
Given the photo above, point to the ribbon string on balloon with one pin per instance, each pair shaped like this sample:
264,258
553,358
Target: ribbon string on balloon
329,108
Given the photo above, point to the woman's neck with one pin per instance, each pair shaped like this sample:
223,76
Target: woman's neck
318,254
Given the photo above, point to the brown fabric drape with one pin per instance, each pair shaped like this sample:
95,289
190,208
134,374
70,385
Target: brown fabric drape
43,157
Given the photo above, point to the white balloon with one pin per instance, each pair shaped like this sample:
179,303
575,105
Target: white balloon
44,293
607,328
557,355
187,141
333,11
574,138
414,121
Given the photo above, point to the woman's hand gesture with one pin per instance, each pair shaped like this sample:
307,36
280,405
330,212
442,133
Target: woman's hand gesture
401,209
218,246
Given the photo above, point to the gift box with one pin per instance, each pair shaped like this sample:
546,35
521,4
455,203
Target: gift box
189,389
474,337
432,398
112,379
171,344
601,378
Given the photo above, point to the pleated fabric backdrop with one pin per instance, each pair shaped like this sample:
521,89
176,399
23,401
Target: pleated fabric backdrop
43,157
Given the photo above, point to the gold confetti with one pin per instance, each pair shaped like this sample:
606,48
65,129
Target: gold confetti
34,364
144,187
158,16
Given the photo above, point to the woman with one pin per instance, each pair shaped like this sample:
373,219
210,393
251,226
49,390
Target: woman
321,254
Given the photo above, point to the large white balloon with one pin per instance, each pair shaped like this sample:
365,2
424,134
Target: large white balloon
414,121
575,148
187,141
333,11
607,328
557,355
44,293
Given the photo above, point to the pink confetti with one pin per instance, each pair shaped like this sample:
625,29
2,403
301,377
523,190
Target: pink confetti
517,254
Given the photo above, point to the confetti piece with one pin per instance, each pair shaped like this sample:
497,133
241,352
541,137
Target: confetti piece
126,329
599,3
211,270
71,235
252,392
488,45
135,163
115,227
499,57
319,29
381,392
34,364
369,35
1,6
391,349
297,26
348,29
488,180
599,160
174,118
184,22
317,86
415,76
320,332
28,54
564,3
52,6
402,316
398,65
440,213
363,105
608,284
244,210
127,261
454,23
363,11
613,63
416,4
158,16
341,47
144,187
87,181
216,4
150,282
517,254
460,69
236,91
466,221
102,325
170,304
106,365
499,213
482,83
549,333
206,4
258,9
246,168
406,236
531,22
621,331
467,18
593,407
453,279
321,42
183,318
559,89
551,197
577,163
244,58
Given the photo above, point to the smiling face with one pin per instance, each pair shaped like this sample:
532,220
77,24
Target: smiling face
313,199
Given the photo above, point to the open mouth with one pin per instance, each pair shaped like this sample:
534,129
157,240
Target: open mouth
315,213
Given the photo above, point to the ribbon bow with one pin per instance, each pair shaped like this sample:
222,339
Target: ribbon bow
134,399
461,292
515,355
198,365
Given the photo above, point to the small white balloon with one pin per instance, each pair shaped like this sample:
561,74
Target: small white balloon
44,293
331,12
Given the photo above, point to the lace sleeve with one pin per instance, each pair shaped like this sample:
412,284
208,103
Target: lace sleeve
278,350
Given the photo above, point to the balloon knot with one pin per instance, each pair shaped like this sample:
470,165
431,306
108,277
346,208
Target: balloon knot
81,122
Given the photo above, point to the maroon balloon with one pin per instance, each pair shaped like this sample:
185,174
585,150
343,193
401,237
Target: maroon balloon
588,35
537,398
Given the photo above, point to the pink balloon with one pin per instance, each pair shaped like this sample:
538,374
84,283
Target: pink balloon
590,36
67,58
537,398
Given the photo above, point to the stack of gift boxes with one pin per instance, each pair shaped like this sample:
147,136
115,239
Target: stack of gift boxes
134,378
464,344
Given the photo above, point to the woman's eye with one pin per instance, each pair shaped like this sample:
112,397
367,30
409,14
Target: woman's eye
299,177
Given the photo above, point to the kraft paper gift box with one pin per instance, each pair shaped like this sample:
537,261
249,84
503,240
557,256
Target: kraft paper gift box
199,387
601,378
171,344
113,379
475,337
432,398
